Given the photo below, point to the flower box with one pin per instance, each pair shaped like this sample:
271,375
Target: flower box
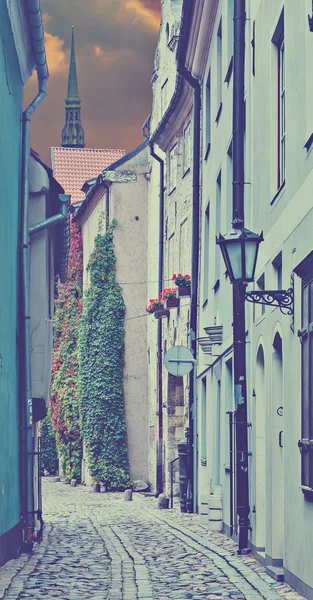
172,302
183,290
161,312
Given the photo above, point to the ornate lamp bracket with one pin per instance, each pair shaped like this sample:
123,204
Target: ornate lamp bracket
281,298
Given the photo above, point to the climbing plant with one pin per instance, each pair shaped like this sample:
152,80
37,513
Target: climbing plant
64,400
101,362
49,455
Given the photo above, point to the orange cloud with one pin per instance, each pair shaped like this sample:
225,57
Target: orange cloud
56,57
109,57
143,13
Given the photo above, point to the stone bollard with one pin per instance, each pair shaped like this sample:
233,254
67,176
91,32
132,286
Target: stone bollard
163,501
73,482
96,487
128,495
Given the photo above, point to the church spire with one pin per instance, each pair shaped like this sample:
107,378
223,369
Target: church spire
73,133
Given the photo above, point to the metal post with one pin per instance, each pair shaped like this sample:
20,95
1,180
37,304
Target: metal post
239,330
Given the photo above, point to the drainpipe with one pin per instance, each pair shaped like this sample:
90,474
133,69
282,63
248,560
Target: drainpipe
159,473
194,83
37,34
239,328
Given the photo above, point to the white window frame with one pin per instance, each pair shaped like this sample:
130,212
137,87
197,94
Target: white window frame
281,108
164,97
172,168
187,148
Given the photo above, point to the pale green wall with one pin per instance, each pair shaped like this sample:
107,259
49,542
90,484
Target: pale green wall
11,98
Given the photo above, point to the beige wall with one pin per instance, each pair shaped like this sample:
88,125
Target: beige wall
128,204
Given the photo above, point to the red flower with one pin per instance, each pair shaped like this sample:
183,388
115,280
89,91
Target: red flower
179,275
174,277
187,277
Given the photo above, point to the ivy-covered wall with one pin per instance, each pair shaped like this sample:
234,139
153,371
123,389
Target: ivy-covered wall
101,363
64,401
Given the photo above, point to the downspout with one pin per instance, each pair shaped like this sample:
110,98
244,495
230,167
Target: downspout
194,83
37,34
159,473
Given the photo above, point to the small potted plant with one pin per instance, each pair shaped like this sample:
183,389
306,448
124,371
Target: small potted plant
170,298
183,283
156,307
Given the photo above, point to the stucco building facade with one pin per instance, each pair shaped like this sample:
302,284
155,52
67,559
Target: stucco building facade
120,193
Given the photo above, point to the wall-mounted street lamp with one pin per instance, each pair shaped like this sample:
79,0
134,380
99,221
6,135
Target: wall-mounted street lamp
240,249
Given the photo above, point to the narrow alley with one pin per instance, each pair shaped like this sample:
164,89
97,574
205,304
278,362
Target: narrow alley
98,546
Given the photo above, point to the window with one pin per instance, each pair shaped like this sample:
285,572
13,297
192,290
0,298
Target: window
208,116
229,199
253,48
305,271
219,70
172,169
278,266
203,445
260,308
183,248
187,148
281,114
164,97
279,42
308,81
206,254
230,32
170,258
218,226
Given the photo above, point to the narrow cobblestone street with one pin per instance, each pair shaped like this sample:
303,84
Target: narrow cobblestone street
97,546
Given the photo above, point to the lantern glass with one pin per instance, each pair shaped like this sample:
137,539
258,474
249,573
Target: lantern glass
251,253
235,249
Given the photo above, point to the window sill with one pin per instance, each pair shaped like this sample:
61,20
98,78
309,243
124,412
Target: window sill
309,144
216,286
278,192
219,112
307,492
229,71
186,172
172,190
206,156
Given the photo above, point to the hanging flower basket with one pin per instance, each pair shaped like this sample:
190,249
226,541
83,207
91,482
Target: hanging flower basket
183,283
161,312
183,290
168,295
172,302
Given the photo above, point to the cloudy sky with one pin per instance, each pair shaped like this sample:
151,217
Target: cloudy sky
115,42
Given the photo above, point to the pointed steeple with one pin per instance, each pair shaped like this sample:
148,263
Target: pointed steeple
73,133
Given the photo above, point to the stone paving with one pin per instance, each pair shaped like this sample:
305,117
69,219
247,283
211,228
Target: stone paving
98,546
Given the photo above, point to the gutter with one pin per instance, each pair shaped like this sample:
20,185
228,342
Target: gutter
26,425
159,473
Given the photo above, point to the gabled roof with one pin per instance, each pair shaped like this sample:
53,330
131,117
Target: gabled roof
92,185
73,166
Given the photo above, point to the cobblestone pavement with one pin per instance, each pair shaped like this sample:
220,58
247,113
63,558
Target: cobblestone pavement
98,546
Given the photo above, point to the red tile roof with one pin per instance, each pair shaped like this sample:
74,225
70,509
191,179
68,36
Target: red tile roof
73,166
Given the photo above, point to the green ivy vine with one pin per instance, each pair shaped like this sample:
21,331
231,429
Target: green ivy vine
64,399
101,362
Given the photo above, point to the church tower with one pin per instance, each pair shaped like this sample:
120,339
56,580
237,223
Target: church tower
73,133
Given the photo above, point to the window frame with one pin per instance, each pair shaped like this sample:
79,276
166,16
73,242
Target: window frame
187,155
172,180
